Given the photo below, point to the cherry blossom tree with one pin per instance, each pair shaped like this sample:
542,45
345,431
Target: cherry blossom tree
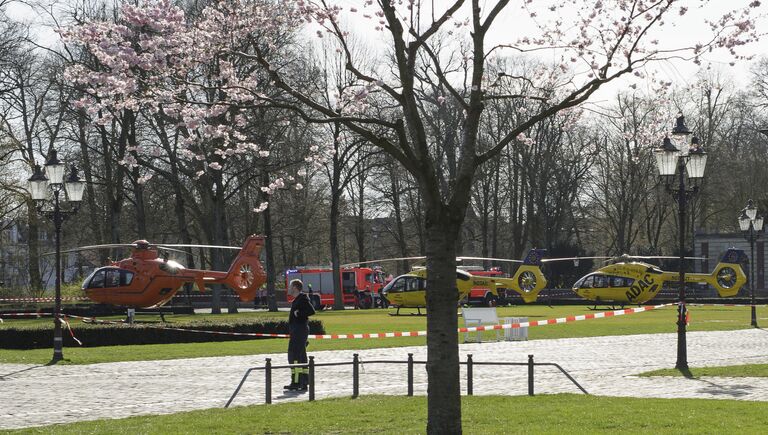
598,43
434,59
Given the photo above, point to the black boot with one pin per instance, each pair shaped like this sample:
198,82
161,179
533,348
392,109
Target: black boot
303,382
292,387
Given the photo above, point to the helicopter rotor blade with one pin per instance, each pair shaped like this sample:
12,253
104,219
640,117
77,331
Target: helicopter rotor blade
549,260
166,248
381,261
489,259
87,248
178,245
669,257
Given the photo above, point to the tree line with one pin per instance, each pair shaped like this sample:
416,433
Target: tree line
206,122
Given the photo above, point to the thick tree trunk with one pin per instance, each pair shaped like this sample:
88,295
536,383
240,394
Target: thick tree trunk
33,245
338,294
360,232
269,252
396,207
90,192
221,237
444,395
141,213
212,198
269,249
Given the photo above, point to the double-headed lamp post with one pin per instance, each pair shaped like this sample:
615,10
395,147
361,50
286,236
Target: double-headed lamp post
689,159
40,184
751,225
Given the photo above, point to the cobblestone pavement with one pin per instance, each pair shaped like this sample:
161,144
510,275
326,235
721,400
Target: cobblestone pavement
40,395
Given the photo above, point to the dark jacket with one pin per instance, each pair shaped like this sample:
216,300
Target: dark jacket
301,309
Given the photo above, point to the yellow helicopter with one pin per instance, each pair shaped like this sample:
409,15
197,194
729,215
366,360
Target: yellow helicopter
483,287
635,282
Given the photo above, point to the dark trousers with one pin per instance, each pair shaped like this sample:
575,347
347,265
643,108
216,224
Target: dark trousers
297,352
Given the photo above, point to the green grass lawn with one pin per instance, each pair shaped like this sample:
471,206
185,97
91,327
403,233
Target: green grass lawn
562,413
360,321
740,371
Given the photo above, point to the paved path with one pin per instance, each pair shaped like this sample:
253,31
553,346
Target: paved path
40,395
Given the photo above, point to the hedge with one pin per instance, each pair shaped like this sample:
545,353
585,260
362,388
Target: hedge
93,335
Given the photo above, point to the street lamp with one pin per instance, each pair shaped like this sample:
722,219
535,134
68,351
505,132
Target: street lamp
751,225
691,159
39,186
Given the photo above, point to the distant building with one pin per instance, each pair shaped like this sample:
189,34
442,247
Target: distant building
14,257
712,246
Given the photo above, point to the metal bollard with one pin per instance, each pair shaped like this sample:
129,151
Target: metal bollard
268,380
355,376
469,374
311,378
410,374
530,375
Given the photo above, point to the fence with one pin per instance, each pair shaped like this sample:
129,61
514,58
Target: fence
311,365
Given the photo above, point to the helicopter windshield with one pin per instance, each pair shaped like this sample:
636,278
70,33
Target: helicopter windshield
108,277
603,281
396,286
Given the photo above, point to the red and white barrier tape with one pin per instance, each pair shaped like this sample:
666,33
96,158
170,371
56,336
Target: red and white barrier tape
66,299
65,323
555,321
724,305
25,314
497,327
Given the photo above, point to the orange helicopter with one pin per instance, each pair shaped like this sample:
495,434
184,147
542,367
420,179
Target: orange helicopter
148,280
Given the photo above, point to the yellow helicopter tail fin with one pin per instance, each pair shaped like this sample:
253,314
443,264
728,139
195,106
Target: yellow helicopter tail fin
528,281
728,276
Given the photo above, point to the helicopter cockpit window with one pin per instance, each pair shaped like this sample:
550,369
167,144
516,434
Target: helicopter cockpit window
112,278
126,277
620,281
398,286
412,284
601,281
586,282
97,280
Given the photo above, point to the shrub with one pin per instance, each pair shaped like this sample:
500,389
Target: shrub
93,335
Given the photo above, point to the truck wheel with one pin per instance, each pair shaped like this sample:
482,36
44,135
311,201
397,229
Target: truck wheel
490,300
365,301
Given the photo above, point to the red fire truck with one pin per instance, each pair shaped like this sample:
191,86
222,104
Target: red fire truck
483,295
360,286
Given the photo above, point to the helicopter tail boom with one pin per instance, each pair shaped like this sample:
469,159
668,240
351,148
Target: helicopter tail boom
728,276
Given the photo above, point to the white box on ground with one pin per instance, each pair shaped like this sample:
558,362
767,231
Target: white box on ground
479,317
515,334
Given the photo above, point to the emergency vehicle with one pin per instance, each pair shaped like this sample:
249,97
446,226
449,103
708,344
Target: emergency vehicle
360,286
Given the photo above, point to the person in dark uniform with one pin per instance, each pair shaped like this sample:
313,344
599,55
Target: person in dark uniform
298,328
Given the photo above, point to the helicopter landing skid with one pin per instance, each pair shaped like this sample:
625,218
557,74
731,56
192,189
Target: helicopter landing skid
607,308
410,314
